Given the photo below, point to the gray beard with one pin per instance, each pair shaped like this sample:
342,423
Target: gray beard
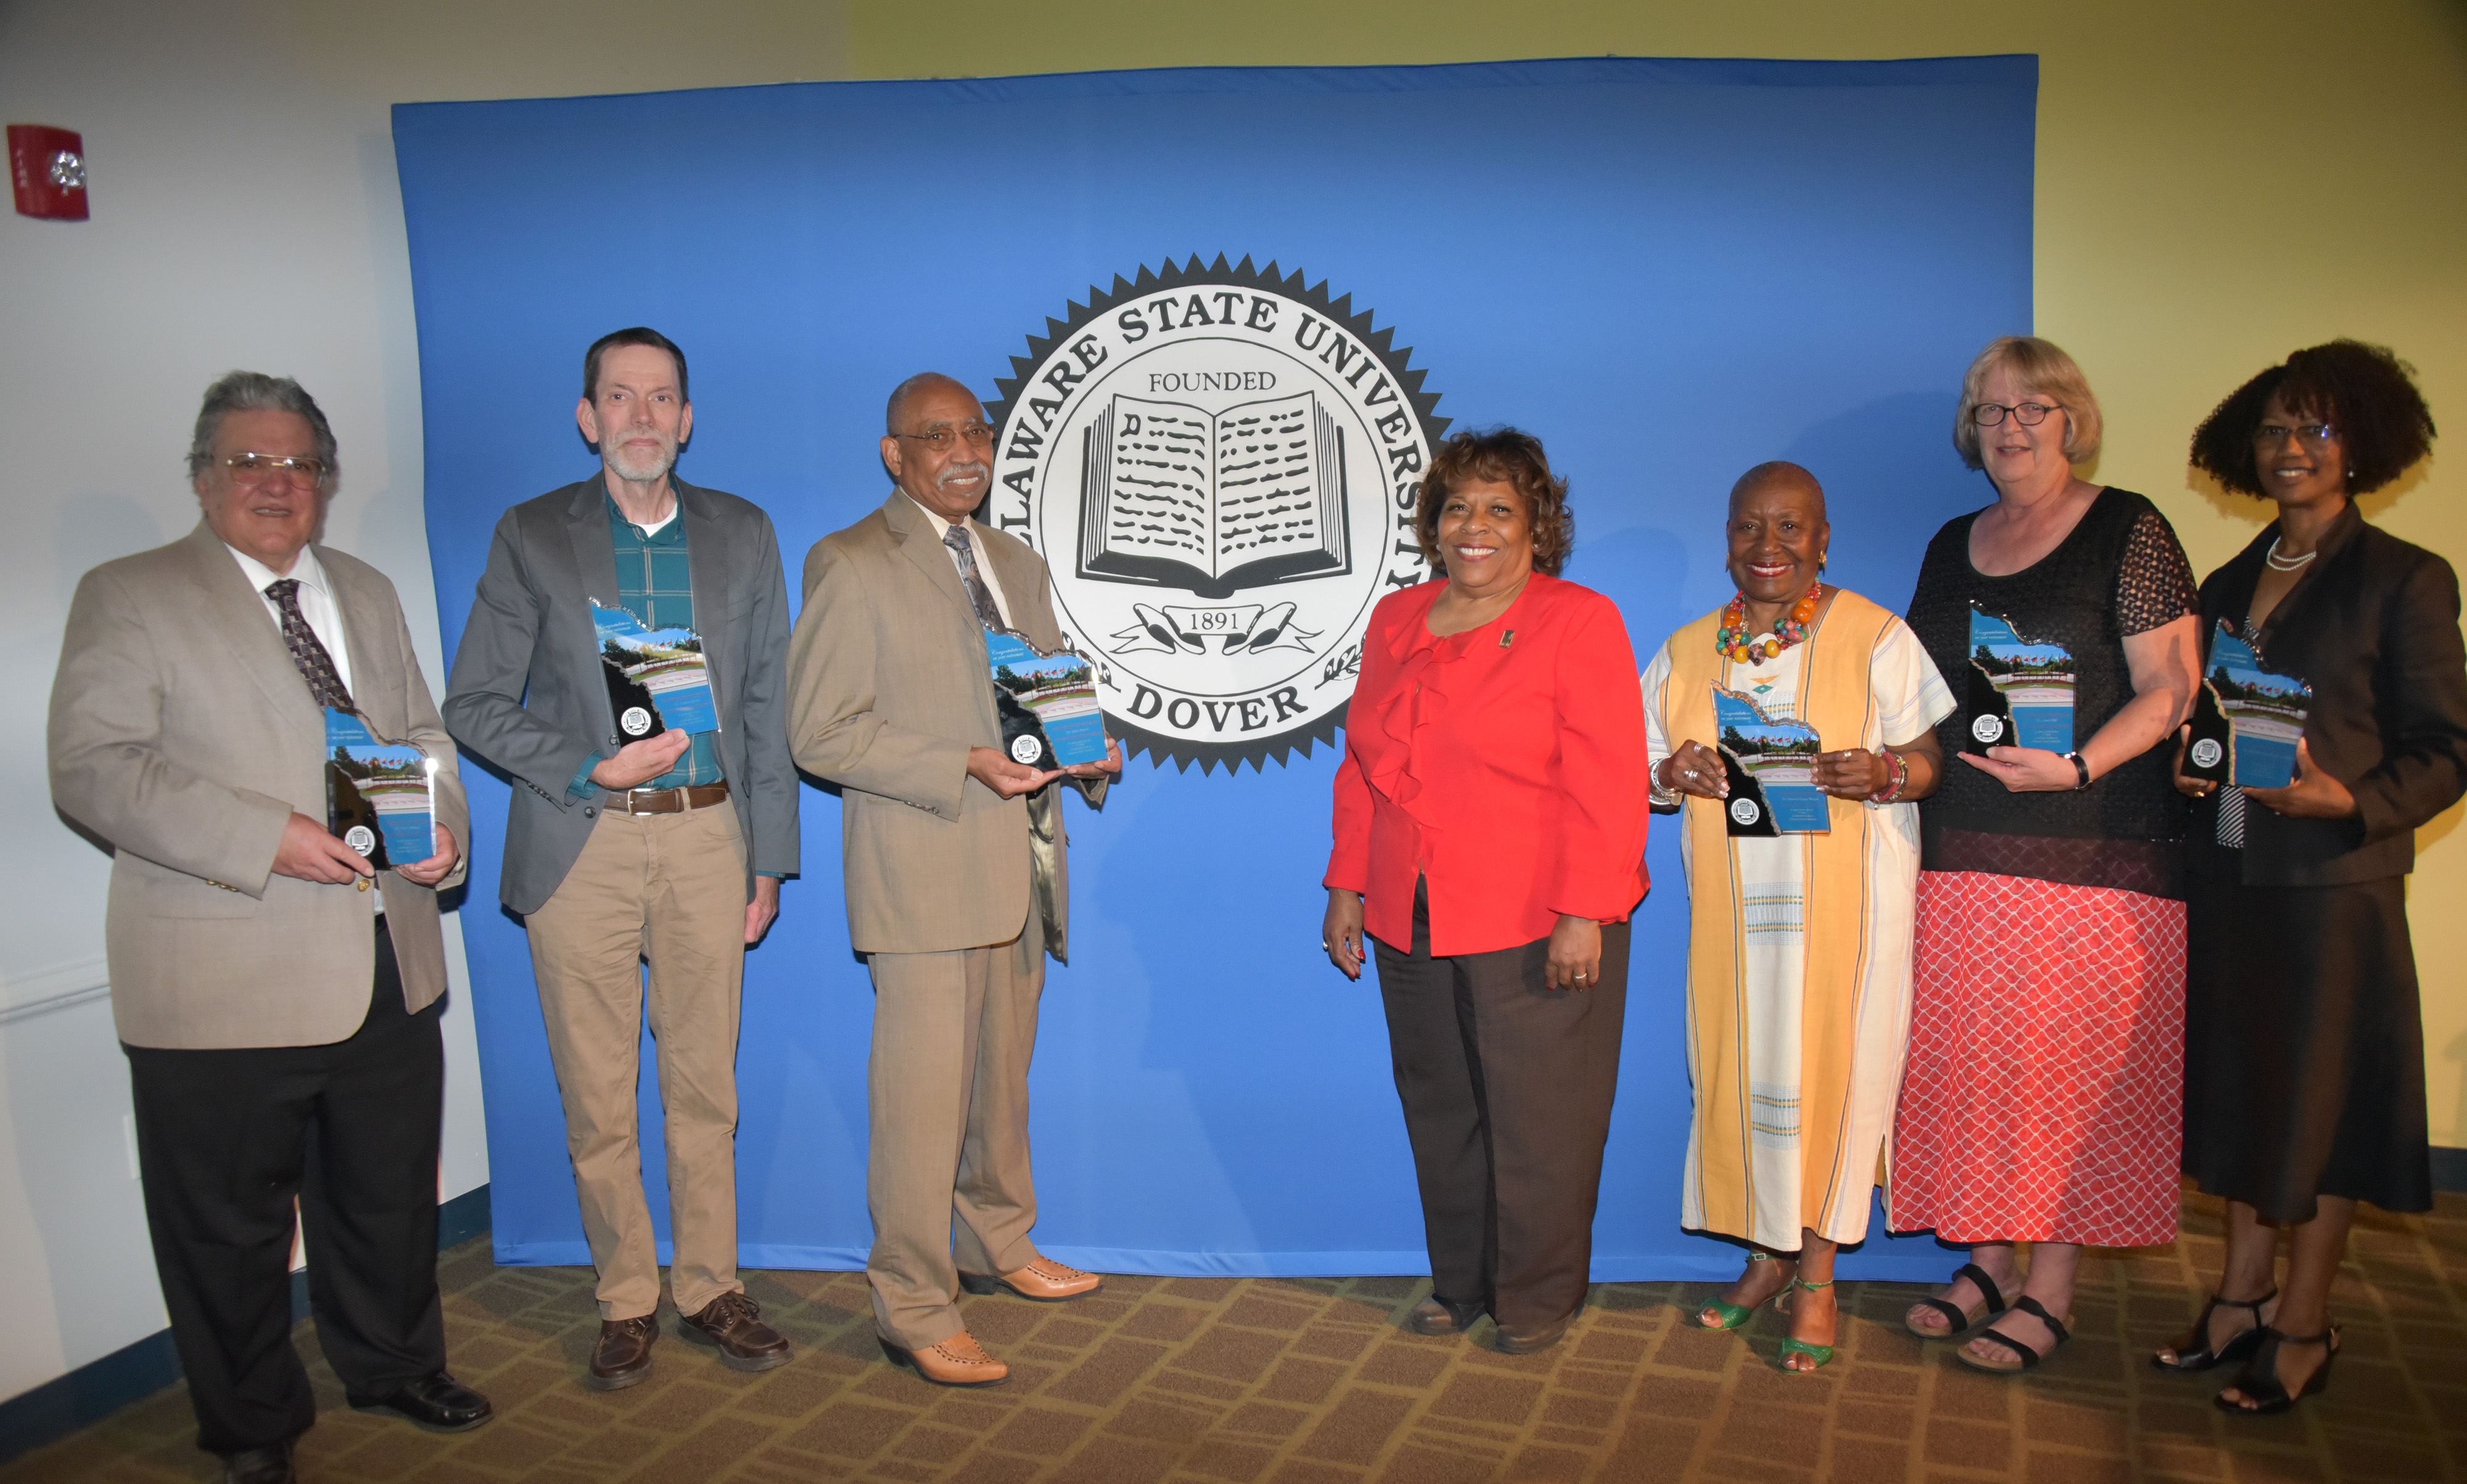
652,471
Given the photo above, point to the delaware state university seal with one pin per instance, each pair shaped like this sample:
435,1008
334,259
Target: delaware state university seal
1219,465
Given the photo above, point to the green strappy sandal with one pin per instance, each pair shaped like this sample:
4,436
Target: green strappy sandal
1821,1355
1735,1316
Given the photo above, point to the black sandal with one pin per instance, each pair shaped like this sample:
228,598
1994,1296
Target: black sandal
1957,1321
2259,1380
2237,1348
2031,1358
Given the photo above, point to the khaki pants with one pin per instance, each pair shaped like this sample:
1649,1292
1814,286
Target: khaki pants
948,1154
670,888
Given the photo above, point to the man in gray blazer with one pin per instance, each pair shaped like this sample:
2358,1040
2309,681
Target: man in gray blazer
669,846
955,868
266,981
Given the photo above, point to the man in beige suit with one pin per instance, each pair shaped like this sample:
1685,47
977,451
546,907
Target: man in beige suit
954,863
277,995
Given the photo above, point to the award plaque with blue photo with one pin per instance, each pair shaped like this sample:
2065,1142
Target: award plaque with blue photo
1047,702
2021,690
2247,719
379,794
657,678
1772,768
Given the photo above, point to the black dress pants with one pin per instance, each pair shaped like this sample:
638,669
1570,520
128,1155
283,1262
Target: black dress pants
226,1140
1508,1091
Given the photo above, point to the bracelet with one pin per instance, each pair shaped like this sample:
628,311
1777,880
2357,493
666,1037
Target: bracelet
1900,767
2081,770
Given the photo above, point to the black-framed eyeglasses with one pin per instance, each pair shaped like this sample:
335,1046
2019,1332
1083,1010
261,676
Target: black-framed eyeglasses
2028,414
940,439
2311,435
255,468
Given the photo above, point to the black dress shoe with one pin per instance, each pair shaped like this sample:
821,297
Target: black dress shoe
268,1465
439,1403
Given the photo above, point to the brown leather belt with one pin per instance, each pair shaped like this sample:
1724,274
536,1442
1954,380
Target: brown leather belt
669,801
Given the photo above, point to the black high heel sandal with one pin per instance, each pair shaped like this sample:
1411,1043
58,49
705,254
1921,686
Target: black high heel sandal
2239,1347
2259,1382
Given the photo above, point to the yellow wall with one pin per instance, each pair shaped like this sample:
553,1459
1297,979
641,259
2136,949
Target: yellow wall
2219,181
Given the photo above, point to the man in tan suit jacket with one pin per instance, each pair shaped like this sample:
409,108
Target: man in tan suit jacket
954,862
265,979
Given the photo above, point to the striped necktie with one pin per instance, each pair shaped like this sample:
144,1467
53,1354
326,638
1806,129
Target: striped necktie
979,596
316,666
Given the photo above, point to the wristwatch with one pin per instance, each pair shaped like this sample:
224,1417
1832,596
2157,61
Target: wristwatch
2081,770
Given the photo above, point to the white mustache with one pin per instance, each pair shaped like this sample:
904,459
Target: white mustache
961,471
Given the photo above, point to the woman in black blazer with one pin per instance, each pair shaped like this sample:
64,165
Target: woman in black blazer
2305,1049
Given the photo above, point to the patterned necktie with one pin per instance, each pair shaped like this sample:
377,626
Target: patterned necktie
316,666
979,595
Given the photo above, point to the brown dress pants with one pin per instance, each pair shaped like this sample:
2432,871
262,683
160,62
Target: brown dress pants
670,888
946,1092
1508,1091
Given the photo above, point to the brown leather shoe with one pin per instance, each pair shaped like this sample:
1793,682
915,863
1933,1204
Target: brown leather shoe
622,1355
733,1325
1437,1316
1524,1342
957,1361
1043,1280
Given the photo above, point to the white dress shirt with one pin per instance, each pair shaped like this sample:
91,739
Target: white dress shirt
316,599
316,602
976,548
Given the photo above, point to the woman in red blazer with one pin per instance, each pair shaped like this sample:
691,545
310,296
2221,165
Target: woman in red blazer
1490,819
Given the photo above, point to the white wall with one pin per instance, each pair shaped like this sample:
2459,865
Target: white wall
246,213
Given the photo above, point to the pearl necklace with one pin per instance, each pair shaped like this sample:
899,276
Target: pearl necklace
2292,564
1733,639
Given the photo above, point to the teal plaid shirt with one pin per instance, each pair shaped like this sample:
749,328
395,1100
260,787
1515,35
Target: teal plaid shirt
655,584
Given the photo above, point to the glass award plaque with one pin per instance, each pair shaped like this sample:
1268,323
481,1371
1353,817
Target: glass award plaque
1772,768
657,678
2021,690
2246,720
1046,702
379,794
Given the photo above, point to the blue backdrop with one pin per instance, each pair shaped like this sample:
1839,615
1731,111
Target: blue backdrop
1669,270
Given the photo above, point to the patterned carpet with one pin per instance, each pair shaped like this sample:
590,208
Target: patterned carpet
1310,1381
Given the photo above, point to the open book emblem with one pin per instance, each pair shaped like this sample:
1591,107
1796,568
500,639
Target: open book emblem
1178,497
1218,462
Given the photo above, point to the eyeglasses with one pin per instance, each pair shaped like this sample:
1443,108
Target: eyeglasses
255,468
2028,414
2270,435
941,439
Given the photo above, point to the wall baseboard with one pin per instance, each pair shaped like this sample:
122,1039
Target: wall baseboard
99,1388
2449,1169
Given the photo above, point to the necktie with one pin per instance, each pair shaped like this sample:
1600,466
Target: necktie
316,666
979,595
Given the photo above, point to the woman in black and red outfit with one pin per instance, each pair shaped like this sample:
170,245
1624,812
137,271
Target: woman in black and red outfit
2304,1050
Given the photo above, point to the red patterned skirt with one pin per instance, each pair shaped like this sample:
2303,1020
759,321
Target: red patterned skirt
2044,1096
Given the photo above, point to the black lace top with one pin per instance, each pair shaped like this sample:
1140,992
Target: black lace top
2120,572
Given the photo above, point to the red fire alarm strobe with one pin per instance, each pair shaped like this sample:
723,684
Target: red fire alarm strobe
47,172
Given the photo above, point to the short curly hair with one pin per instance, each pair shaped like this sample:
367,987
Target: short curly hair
1500,455
2364,390
2042,366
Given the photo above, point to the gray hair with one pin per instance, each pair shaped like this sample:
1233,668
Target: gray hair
2044,370
254,391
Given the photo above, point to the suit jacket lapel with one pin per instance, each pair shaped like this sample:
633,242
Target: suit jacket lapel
237,612
376,678
706,557
921,542
595,550
1022,584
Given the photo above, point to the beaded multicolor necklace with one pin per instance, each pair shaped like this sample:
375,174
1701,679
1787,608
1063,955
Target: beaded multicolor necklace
1733,640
